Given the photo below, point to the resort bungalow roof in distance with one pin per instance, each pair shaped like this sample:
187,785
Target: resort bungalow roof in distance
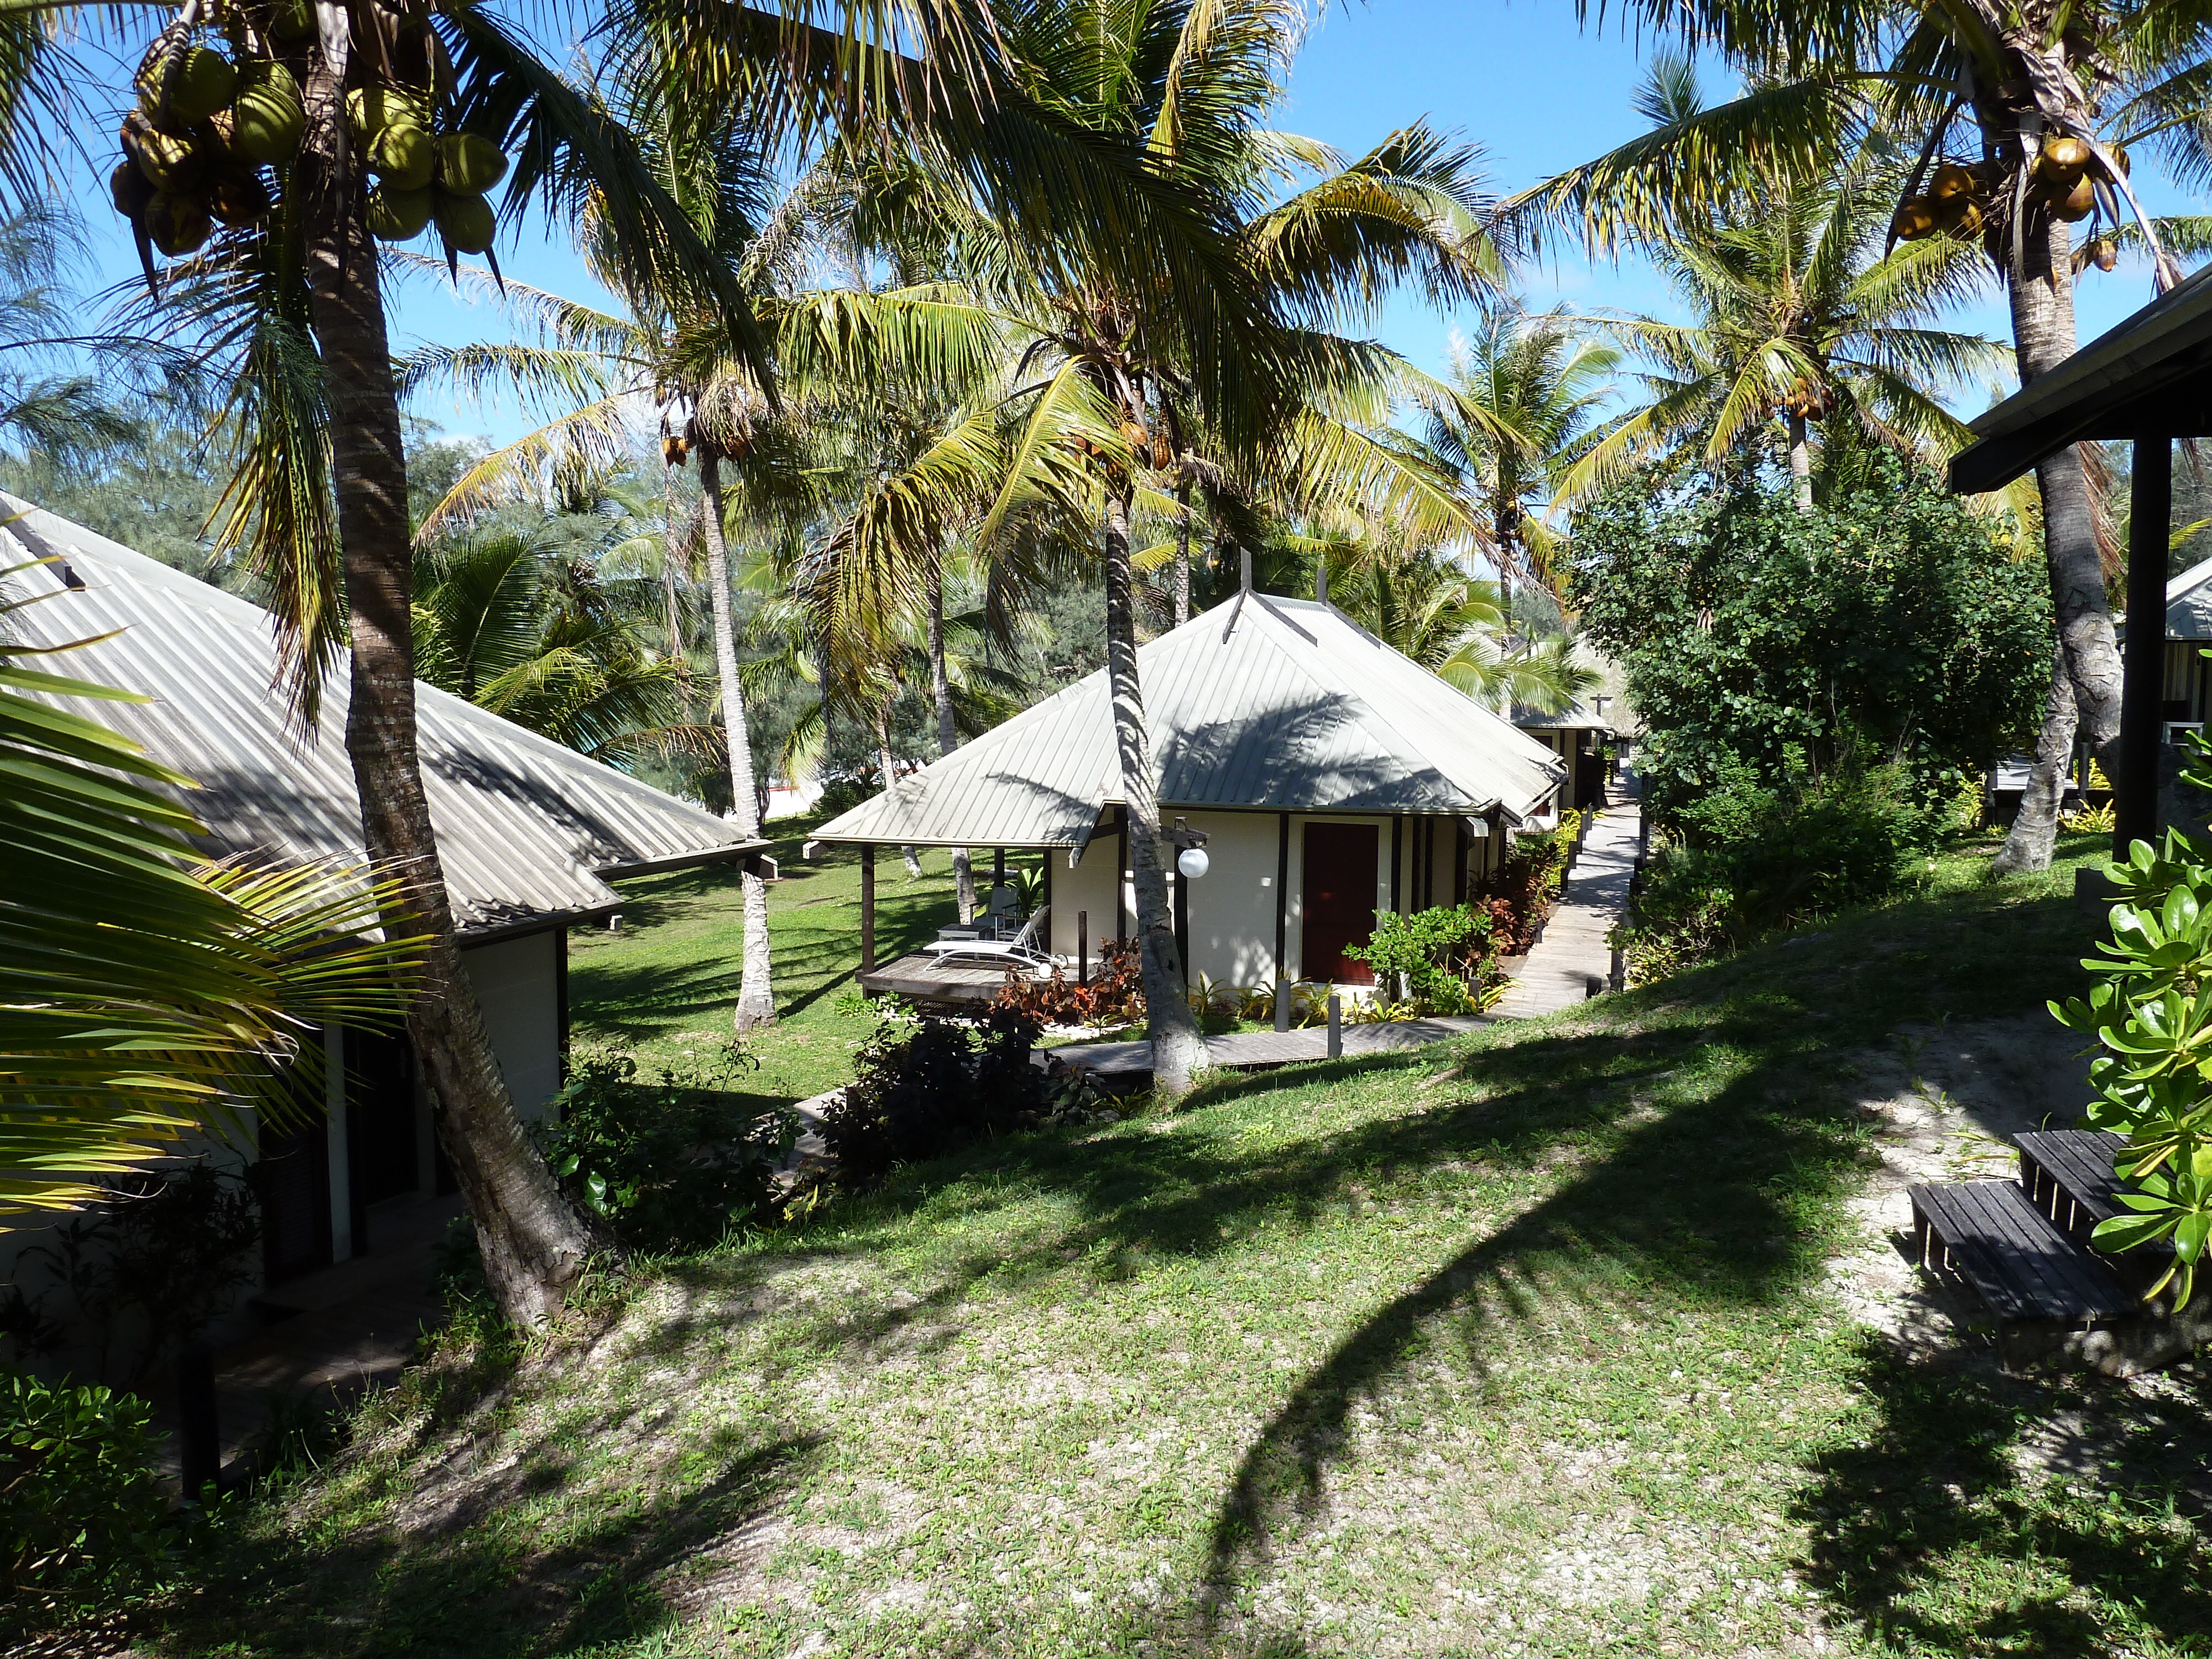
529,833
1332,776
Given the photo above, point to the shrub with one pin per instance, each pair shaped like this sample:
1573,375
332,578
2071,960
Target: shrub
1747,859
154,1262
83,1523
1516,895
923,1086
1437,957
1113,998
671,1164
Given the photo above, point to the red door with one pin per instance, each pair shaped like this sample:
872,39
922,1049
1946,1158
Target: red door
1339,901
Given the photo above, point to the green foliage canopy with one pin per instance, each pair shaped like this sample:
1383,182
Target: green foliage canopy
1892,616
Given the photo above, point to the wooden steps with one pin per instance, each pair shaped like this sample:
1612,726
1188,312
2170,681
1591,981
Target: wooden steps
2014,1257
2020,1249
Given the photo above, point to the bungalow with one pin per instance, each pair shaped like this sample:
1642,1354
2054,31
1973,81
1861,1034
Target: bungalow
529,834
1332,777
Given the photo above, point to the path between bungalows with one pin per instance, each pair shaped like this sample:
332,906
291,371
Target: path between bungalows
1574,948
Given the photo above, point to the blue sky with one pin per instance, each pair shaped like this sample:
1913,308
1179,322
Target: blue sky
1521,78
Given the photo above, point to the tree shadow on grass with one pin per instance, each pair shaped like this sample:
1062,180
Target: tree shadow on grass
1988,1514
466,1584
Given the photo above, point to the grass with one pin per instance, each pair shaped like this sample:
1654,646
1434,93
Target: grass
1520,1347
668,979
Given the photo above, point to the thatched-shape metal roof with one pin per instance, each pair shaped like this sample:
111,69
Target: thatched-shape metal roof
1284,705
528,830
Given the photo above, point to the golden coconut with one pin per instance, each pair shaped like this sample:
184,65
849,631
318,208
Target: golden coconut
237,197
1951,182
130,188
397,216
674,450
1912,220
2106,253
2076,203
177,223
1960,217
2061,162
467,222
469,164
167,161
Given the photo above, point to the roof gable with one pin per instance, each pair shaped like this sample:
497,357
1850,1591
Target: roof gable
1266,703
526,829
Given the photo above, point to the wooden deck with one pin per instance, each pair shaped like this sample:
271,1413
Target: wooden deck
1125,1063
921,977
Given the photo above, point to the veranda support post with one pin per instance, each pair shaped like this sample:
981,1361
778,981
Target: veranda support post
2142,683
867,906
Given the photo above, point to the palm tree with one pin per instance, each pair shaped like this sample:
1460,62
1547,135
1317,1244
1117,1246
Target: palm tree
144,990
1423,604
1796,320
1521,402
1103,385
503,619
1819,77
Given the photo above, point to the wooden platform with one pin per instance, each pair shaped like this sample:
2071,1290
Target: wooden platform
921,978
1121,1064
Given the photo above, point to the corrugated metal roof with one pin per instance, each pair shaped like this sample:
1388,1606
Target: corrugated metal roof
525,827
1280,704
1575,717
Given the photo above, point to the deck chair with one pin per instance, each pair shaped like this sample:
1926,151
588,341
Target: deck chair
1022,951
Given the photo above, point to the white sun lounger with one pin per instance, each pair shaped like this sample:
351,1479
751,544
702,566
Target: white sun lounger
1021,950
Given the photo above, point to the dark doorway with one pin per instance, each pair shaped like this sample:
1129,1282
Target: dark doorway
380,1122
293,1182
1339,901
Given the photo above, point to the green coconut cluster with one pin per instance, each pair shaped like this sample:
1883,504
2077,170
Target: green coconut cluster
214,132
422,176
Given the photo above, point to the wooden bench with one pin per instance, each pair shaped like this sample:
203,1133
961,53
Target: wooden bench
2067,1174
2013,1256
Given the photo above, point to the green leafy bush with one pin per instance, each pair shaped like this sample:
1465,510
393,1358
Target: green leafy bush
83,1523
926,1084
672,1163
1893,617
1747,859
1440,959
2151,1015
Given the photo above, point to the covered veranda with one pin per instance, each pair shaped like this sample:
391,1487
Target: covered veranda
2148,383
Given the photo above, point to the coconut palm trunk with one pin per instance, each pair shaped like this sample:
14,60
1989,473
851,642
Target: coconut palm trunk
1178,1049
755,986
533,1242
1800,463
948,736
2043,339
2037,826
888,761
1182,552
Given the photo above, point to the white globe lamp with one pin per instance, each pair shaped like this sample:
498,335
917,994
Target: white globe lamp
1193,862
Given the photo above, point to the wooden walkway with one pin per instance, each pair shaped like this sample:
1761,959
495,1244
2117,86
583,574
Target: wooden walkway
1252,1051
1560,967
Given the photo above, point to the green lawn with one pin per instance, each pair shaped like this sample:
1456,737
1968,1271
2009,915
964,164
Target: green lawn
1516,1347
668,981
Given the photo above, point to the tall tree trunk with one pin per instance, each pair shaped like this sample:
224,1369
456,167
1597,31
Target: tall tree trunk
1800,463
755,986
1182,552
948,736
889,762
1178,1049
2043,339
671,592
534,1243
2028,844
